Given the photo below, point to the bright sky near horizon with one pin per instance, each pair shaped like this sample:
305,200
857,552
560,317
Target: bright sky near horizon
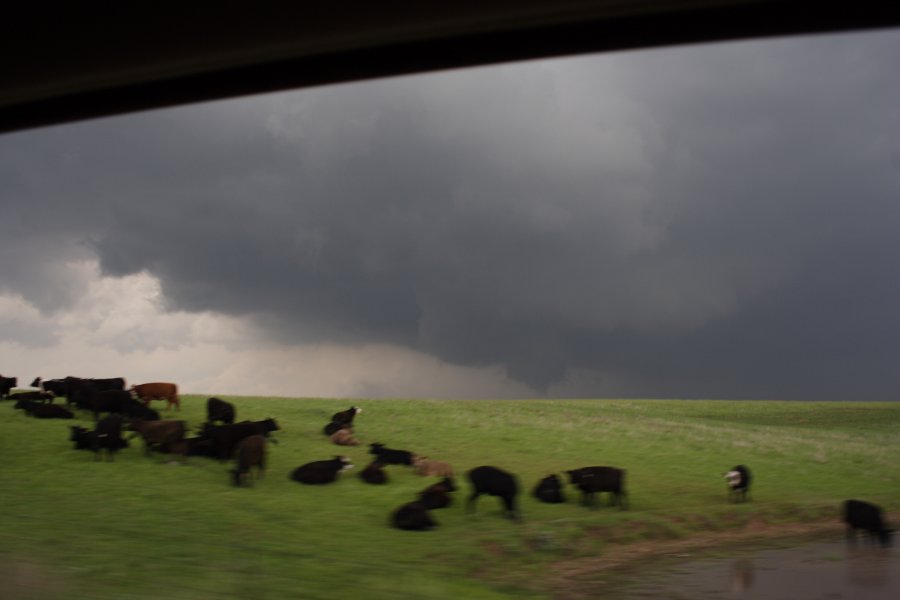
710,221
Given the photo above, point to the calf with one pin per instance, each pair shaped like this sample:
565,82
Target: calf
145,392
346,416
374,473
251,452
549,489
858,514
594,480
344,437
738,480
412,517
437,495
321,471
159,433
389,456
424,466
219,410
494,482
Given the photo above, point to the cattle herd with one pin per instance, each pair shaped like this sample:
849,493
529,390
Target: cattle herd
245,442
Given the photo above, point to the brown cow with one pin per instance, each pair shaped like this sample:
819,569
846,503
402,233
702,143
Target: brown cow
160,433
344,437
251,452
157,391
426,467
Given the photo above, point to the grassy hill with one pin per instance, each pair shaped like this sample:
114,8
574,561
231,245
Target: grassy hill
144,527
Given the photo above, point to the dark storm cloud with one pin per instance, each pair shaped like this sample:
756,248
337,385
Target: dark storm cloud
707,221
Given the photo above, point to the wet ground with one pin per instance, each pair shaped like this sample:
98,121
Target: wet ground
832,570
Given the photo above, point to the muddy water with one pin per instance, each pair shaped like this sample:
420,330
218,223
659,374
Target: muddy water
811,571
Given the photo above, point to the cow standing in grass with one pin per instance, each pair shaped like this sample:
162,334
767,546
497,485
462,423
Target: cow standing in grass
251,452
858,514
145,392
494,482
594,480
738,480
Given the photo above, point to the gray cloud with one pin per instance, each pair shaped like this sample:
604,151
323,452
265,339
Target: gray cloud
703,221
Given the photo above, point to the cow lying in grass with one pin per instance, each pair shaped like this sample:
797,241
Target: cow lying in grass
374,473
346,416
39,410
424,466
858,514
321,471
103,437
344,437
389,456
413,517
549,489
437,495
594,480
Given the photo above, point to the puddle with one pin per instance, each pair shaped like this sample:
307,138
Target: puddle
812,571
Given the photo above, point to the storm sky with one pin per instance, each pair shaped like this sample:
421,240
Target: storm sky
714,221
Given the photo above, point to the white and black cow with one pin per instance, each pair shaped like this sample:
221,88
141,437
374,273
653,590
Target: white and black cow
738,480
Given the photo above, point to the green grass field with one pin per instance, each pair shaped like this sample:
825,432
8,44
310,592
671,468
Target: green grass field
143,527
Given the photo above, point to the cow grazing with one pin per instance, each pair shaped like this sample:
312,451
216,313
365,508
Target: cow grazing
344,437
33,396
145,392
39,410
494,482
549,489
227,437
159,433
424,466
858,514
594,480
321,471
135,409
219,410
108,401
251,452
437,495
346,416
108,436
7,384
389,456
412,517
374,473
738,480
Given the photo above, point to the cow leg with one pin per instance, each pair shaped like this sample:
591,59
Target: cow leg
470,503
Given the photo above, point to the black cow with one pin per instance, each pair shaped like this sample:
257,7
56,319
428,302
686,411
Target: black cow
858,514
345,416
437,495
7,384
227,437
549,489
39,410
108,401
412,517
494,482
135,409
389,456
111,383
738,480
108,436
84,439
333,427
374,473
219,410
57,387
321,471
251,452
594,480
33,396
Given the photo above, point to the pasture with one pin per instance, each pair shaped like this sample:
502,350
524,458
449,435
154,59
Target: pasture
150,527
